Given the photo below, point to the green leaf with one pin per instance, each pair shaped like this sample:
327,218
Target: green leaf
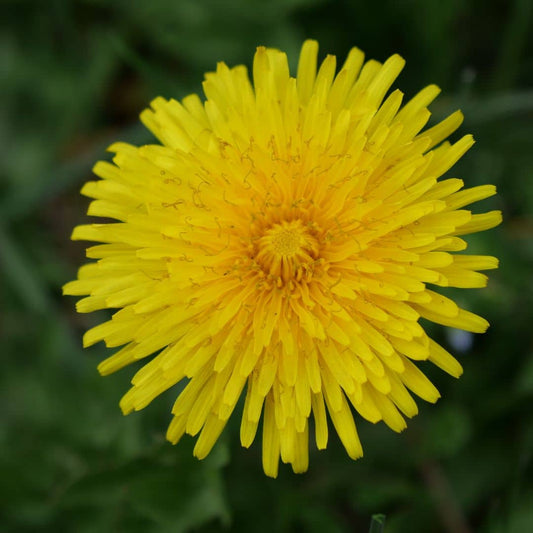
378,523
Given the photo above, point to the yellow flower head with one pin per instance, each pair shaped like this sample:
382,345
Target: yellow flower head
279,244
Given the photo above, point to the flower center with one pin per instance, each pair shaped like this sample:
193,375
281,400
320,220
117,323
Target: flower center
285,241
288,251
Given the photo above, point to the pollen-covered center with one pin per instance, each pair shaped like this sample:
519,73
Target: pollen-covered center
288,250
286,239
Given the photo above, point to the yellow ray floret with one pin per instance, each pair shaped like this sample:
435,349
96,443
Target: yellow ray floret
281,243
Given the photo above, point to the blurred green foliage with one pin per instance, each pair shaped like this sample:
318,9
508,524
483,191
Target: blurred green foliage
75,76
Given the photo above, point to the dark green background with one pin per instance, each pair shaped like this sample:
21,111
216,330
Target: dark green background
77,74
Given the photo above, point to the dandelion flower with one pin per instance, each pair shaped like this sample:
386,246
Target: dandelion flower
280,245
